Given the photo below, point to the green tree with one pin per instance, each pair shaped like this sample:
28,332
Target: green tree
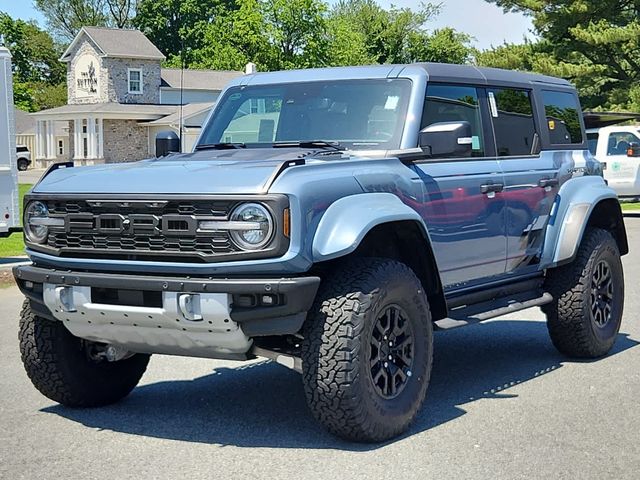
594,43
283,34
65,17
444,45
177,27
363,30
235,37
39,78
297,31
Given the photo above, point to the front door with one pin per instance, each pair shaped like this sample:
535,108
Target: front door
462,197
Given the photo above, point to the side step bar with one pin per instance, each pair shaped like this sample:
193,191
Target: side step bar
476,313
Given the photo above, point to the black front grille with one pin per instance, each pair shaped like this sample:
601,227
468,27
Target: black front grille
138,229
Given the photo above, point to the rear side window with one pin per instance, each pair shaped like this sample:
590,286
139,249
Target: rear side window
454,103
563,117
513,122
592,141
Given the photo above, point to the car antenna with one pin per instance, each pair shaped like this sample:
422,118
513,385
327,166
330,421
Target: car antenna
180,120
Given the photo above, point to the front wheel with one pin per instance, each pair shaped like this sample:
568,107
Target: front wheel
62,368
367,350
585,316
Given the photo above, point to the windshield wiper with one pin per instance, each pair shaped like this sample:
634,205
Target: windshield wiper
310,144
220,146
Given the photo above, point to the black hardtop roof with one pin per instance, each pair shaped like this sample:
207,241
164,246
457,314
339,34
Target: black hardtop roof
444,72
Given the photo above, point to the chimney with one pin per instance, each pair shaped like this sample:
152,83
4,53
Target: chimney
250,68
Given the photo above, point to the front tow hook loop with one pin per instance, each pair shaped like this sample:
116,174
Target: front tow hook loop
64,298
189,304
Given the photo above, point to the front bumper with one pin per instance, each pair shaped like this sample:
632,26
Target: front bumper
231,309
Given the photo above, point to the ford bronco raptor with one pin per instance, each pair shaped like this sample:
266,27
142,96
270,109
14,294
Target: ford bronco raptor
329,220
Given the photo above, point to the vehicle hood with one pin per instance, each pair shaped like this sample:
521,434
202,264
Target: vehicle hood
205,172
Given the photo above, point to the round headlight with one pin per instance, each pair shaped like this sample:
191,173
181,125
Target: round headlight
34,222
257,229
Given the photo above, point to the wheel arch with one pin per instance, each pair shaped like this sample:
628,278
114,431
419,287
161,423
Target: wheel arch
582,202
380,225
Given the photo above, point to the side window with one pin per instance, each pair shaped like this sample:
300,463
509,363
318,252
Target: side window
619,143
592,140
453,103
563,117
513,122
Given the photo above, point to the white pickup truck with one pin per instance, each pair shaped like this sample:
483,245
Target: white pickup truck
9,209
619,148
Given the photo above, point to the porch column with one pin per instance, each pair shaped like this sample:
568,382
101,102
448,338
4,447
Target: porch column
39,153
91,137
100,139
51,140
77,139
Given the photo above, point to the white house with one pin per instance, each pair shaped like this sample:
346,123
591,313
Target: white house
119,97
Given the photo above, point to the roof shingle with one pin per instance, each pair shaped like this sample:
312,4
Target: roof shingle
198,79
117,42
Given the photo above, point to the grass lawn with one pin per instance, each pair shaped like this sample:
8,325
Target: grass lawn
630,207
13,246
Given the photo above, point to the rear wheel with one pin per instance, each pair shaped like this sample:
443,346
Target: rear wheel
367,350
585,316
63,368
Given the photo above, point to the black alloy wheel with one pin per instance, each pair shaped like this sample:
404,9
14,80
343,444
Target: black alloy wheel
391,352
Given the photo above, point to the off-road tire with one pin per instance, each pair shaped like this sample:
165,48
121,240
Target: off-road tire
570,321
61,370
336,351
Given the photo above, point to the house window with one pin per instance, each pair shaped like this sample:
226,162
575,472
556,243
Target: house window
60,148
134,76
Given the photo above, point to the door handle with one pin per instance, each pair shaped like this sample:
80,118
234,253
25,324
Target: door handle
548,182
491,188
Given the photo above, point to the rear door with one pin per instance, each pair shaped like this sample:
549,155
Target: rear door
622,171
531,178
462,196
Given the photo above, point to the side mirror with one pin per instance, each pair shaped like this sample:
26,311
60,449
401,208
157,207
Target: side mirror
633,150
446,139
167,142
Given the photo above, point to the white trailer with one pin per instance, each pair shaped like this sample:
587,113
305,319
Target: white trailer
9,209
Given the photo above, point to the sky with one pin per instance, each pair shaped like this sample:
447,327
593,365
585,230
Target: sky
488,24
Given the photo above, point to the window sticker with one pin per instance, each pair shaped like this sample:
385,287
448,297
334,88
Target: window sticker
492,104
552,124
392,103
475,142
235,96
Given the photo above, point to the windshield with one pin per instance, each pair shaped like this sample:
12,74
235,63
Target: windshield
357,114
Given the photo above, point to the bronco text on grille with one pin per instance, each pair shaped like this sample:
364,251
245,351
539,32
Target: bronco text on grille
153,230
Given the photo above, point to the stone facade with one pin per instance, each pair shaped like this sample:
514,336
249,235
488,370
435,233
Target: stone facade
112,77
117,69
124,141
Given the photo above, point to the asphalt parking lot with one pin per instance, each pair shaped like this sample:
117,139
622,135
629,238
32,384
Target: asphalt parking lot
502,404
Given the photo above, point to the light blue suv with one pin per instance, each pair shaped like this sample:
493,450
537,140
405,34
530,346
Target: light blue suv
330,220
